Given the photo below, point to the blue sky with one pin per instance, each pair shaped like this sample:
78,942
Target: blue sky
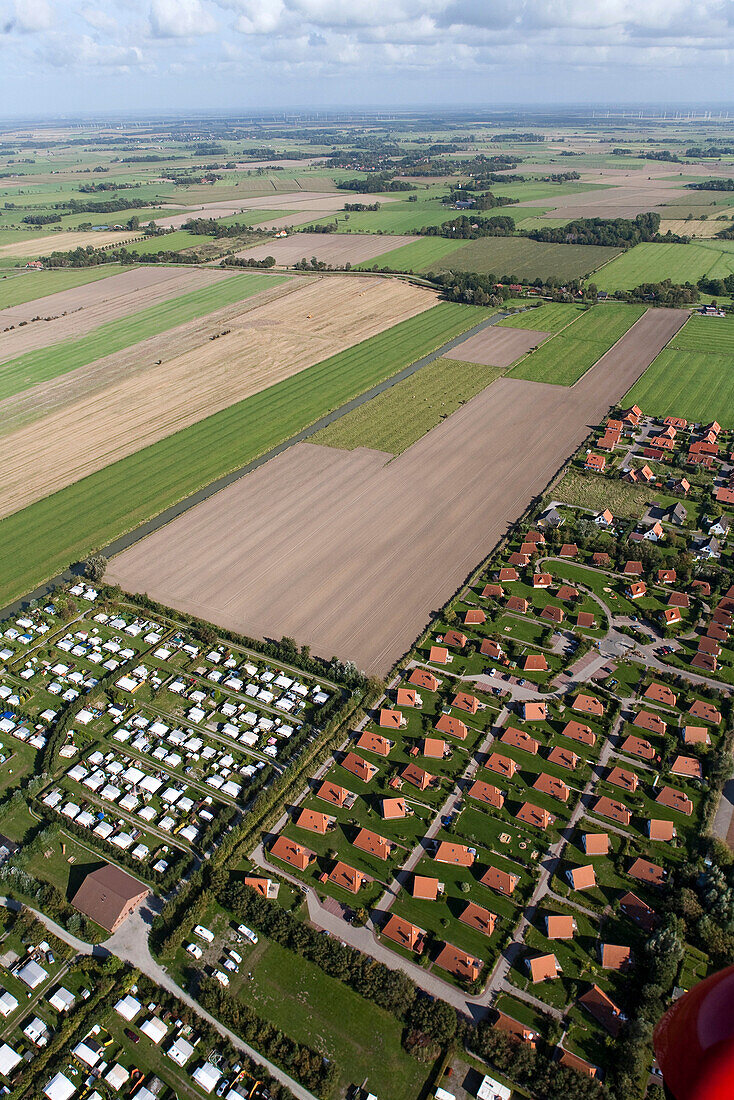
66,56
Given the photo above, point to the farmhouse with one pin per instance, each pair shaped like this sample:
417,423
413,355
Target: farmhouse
109,896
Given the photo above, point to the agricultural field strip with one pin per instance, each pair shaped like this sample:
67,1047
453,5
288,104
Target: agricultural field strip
26,286
375,511
99,509
648,263
134,294
44,364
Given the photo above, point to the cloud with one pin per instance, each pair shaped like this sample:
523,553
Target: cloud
180,19
29,17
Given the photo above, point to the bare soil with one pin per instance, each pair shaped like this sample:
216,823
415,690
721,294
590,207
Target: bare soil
72,313
307,206
331,248
64,241
498,347
265,344
349,552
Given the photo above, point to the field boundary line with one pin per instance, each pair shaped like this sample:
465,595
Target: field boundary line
551,337
640,318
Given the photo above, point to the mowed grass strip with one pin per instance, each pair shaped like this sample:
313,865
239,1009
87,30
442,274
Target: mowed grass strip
15,290
548,317
397,418
423,255
169,242
569,354
520,258
45,363
44,538
651,263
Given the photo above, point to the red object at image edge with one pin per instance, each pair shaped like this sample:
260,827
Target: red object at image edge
694,1041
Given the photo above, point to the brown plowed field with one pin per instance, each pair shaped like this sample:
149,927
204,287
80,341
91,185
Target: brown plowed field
265,345
331,248
86,307
349,552
498,347
65,240
307,206
632,192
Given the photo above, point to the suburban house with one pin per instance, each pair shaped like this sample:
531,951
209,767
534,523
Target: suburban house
426,889
486,793
581,878
421,677
559,926
404,933
336,795
660,829
615,956
458,854
519,739
348,878
613,811
501,765
435,748
393,809
595,844
653,723
675,800
576,731
314,821
687,767
406,697
551,785
533,712
479,918
515,1028
411,773
466,702
454,727
542,968
565,758
534,815
290,852
360,767
638,746
389,719
661,693
459,963
619,777
502,881
603,1009
373,844
588,704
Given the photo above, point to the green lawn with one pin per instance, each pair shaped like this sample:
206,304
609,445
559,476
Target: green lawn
313,1008
565,358
67,525
519,258
46,363
693,376
169,242
545,317
394,420
423,255
29,285
650,263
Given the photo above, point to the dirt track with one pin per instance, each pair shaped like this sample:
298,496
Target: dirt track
349,552
266,344
88,306
331,248
498,347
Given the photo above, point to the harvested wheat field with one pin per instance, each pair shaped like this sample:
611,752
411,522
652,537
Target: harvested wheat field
65,240
696,227
498,347
265,344
349,552
330,248
72,313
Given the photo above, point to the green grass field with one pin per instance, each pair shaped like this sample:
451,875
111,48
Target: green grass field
40,540
169,242
394,420
39,366
651,263
26,287
422,255
400,216
545,317
569,354
692,375
519,258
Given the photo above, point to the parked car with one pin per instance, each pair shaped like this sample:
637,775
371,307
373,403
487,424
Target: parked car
131,1035
194,950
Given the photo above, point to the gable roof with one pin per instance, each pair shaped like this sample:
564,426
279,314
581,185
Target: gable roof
565,758
401,931
588,704
661,693
476,916
454,727
333,793
638,746
519,739
649,873
291,852
392,808
534,815
615,956
349,878
421,677
638,911
372,843
553,786
107,893
459,963
458,854
582,878
577,731
486,793
603,1010
313,820
504,882
357,765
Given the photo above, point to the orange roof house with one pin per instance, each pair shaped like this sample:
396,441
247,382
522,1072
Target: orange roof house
515,1028
666,576
404,933
559,926
313,821
660,829
588,704
565,758
493,591
373,844
519,739
454,727
490,648
349,878
550,785
595,844
567,592
636,590
675,800
705,711
542,968
517,603
603,1010
504,882
393,809
425,889
615,956
661,693
421,677
407,697
533,712
434,747
459,963
688,767
479,918
649,873
575,1061
518,558
549,614
265,887
601,558
486,793
568,550
534,815
457,854
411,773
638,746
363,769
620,777
542,580
696,735
638,911
705,661
455,639
508,573
614,811
501,765
586,620
291,852
575,731
374,742
581,878
652,722
439,655
334,794
632,569
389,719
466,702
475,617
